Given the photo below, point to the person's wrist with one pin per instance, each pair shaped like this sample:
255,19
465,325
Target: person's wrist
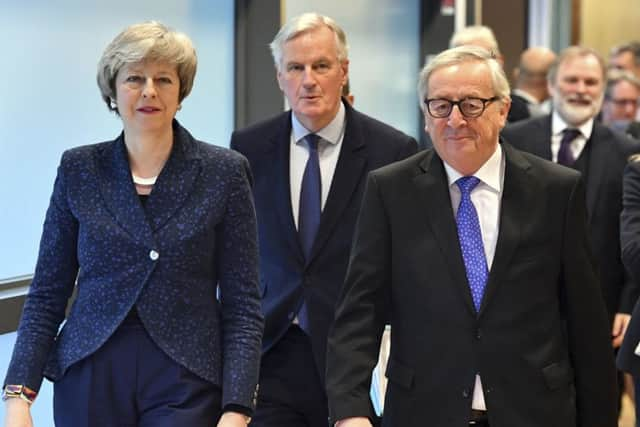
22,392
238,416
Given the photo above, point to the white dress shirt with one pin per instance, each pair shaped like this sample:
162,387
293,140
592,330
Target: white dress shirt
535,107
329,146
577,145
486,197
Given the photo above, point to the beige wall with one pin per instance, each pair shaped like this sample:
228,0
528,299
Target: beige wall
606,23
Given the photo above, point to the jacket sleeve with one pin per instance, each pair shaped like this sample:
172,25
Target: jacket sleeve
242,320
354,340
50,290
581,299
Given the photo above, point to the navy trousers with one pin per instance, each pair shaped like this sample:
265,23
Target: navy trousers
130,382
291,392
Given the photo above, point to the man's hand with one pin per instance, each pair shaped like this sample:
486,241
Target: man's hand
233,419
620,324
17,413
354,422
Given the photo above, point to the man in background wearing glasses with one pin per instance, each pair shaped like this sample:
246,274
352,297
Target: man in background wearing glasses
480,254
571,136
622,102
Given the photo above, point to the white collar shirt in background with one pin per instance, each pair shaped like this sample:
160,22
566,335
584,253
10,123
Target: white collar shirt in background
577,145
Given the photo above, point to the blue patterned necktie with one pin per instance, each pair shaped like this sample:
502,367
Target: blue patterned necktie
470,237
565,156
310,206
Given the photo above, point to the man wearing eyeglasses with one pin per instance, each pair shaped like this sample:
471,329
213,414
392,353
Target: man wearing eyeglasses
621,102
480,254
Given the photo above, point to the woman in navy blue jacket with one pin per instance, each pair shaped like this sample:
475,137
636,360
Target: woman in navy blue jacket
157,233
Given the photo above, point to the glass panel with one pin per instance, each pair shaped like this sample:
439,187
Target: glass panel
384,53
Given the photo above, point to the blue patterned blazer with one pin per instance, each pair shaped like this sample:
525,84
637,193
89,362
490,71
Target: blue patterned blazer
196,234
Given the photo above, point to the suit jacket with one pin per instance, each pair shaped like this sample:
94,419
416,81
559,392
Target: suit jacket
196,233
538,367
519,109
603,182
286,278
630,240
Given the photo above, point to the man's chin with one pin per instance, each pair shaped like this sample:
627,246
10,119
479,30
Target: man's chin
576,116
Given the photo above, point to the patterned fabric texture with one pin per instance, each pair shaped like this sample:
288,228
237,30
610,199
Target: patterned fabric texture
470,236
195,238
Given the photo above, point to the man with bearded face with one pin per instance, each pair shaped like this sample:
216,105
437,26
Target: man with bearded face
571,136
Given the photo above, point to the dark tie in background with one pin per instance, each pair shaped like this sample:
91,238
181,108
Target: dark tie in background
470,237
310,210
565,157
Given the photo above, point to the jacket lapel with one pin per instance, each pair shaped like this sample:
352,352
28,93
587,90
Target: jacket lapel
119,192
519,191
598,161
176,180
434,199
279,156
346,178
545,138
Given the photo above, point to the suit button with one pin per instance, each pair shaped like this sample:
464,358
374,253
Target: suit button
466,393
154,255
478,334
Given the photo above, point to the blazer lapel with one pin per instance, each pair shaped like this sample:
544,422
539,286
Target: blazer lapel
434,199
279,156
346,178
519,191
598,161
176,181
545,138
119,192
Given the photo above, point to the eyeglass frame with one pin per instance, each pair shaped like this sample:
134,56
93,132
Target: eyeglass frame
485,102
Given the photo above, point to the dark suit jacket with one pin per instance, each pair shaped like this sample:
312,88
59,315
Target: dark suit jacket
285,276
603,183
519,109
200,221
538,366
630,240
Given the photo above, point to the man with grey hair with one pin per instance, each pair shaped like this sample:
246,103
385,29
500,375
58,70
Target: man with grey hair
530,96
309,166
622,102
480,255
477,35
626,57
570,136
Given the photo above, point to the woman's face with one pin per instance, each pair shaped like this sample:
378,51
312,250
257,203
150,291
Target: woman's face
147,96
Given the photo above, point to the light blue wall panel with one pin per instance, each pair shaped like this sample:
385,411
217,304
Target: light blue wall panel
49,100
383,37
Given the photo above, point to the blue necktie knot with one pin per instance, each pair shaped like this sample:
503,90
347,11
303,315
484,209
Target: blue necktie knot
466,184
312,141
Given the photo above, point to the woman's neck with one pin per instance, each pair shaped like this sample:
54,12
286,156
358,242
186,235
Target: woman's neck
148,152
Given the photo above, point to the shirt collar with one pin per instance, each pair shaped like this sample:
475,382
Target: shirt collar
526,95
558,125
489,172
330,133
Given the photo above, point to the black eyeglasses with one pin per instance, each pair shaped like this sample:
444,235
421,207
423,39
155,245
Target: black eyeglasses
469,107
